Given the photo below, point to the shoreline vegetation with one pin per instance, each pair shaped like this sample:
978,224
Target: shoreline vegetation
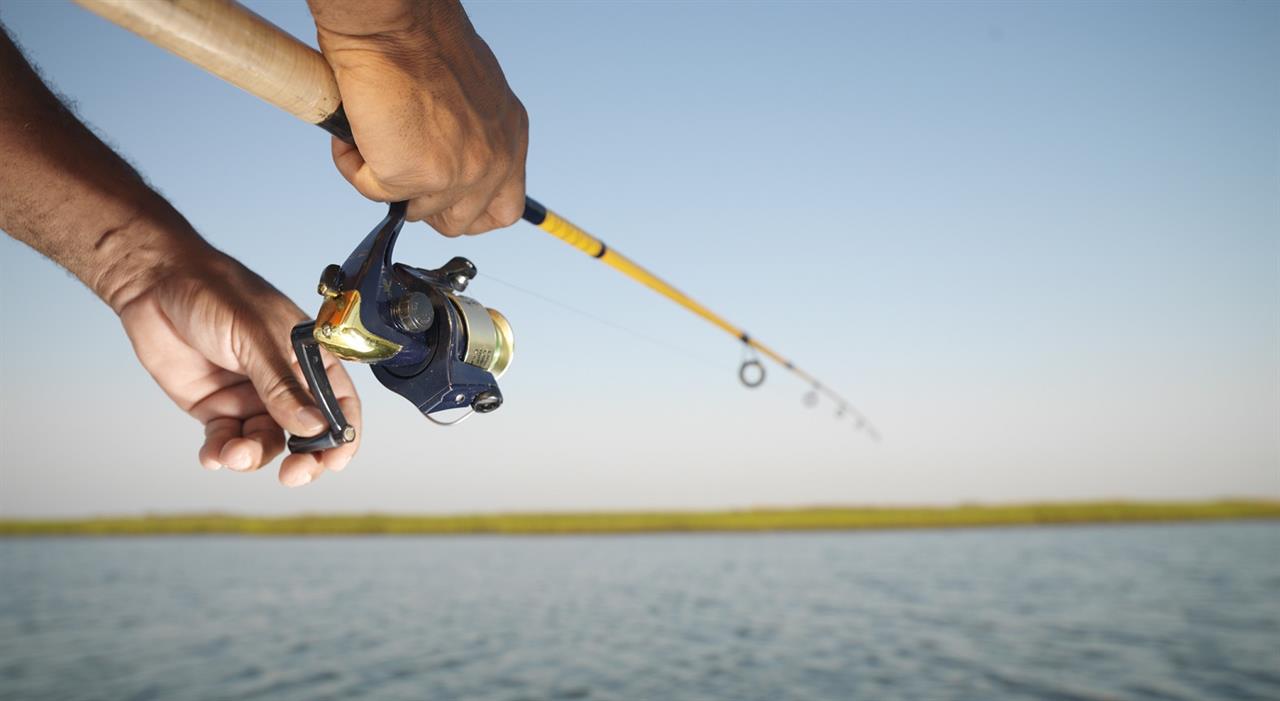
622,522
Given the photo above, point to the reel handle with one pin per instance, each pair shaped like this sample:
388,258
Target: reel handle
340,432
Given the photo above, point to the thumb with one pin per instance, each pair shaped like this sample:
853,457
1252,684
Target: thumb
282,392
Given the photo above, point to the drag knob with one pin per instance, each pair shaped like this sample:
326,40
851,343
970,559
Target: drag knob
413,312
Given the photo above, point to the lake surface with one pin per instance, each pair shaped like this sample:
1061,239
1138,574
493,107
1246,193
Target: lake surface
1132,612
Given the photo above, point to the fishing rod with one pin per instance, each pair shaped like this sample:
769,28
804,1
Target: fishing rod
416,310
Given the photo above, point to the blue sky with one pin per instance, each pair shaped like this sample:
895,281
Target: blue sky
1038,244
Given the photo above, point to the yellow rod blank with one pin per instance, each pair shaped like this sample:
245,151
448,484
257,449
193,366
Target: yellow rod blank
577,237
224,38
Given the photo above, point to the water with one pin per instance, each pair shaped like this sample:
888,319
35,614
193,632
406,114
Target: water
1137,612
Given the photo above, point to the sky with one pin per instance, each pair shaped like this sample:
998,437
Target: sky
1038,244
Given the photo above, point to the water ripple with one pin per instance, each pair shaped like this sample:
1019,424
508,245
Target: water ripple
1149,613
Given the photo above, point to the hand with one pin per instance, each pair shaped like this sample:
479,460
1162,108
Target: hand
434,118
215,337
212,334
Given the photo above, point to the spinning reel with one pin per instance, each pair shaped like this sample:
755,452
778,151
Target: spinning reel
424,340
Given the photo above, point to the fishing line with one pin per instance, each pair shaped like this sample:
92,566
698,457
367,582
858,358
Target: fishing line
751,372
568,232
251,53
668,347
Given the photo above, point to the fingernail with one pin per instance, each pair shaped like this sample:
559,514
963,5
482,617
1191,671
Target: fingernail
311,419
302,478
237,460
219,466
341,465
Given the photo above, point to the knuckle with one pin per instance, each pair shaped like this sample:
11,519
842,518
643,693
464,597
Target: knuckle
432,177
446,225
507,210
419,210
408,178
524,120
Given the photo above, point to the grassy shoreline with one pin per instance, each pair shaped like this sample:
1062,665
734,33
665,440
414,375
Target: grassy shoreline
801,519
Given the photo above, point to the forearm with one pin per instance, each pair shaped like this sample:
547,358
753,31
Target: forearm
69,196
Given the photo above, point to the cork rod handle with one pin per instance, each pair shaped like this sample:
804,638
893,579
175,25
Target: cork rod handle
231,42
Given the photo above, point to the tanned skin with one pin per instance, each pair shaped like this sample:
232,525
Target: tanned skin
437,126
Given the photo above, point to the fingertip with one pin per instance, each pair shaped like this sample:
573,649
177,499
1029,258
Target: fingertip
299,469
292,410
338,458
217,433
287,400
241,455
339,461
209,457
311,421
347,159
266,436
341,147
